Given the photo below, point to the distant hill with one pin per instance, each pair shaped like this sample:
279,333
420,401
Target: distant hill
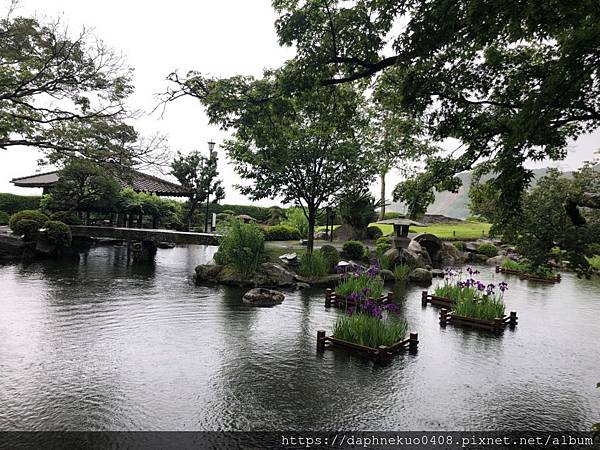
456,205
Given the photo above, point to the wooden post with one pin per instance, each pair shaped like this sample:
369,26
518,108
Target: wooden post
328,293
498,324
497,269
320,341
512,319
383,355
443,317
424,298
413,342
390,297
454,233
140,221
558,277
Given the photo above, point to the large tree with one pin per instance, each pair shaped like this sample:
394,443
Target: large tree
305,148
511,80
66,95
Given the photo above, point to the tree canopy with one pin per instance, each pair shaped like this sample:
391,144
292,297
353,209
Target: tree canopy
67,95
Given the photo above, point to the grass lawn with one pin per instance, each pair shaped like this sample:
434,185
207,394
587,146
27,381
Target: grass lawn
462,230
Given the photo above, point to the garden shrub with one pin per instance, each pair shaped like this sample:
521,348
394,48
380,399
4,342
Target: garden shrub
383,244
384,262
297,219
514,265
12,203
4,218
65,217
594,262
353,249
281,233
242,248
58,233
313,265
27,228
460,245
374,233
331,256
401,271
28,214
487,249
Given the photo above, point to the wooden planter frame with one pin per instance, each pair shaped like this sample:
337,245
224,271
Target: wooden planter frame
527,276
496,325
435,300
382,353
332,299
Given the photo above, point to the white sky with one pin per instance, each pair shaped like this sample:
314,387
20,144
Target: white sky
215,37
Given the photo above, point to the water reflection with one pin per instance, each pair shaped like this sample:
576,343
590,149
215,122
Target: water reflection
100,344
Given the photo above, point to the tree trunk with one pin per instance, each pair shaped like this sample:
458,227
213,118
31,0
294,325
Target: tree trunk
312,218
382,198
140,221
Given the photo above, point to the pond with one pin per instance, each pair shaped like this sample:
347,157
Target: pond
100,345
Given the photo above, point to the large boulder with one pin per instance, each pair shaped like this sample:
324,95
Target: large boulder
290,259
11,246
420,275
496,260
263,297
324,282
407,256
208,273
387,275
450,255
275,275
472,247
478,258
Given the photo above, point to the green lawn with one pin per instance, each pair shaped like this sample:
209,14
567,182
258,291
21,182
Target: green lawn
463,230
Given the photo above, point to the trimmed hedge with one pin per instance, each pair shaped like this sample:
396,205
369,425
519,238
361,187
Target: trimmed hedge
353,249
12,203
488,250
374,233
65,217
58,233
27,228
281,233
36,216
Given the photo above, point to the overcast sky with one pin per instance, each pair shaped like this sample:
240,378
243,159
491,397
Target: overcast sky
215,37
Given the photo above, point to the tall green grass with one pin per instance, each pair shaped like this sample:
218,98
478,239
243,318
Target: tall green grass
514,265
486,307
370,331
369,286
594,261
313,265
401,271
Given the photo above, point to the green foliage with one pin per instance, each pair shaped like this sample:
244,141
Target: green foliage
484,199
58,233
276,215
66,217
541,272
460,245
370,331
331,256
486,307
357,208
12,203
242,248
374,233
383,244
393,215
4,218
313,265
360,283
401,271
416,193
27,228
384,262
296,218
36,216
488,249
514,265
594,262
281,233
136,203
353,249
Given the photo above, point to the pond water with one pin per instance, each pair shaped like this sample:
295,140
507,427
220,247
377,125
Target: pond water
100,345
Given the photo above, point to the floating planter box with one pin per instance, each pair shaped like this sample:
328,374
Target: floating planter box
527,276
382,353
332,299
496,325
435,300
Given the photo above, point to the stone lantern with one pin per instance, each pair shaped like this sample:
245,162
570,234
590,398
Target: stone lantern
400,237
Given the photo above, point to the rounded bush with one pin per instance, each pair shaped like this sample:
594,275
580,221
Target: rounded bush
353,249
28,214
488,250
26,228
331,256
65,217
282,233
58,233
383,244
374,233
4,218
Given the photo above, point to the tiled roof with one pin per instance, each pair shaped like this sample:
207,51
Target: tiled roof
139,181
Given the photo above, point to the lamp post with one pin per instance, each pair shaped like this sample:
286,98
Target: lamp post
212,157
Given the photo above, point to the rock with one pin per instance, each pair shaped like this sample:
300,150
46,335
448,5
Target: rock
44,247
387,275
300,285
348,266
419,275
208,273
304,242
414,246
263,297
478,258
437,273
496,260
11,246
472,247
276,276
321,235
451,256
291,259
327,281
